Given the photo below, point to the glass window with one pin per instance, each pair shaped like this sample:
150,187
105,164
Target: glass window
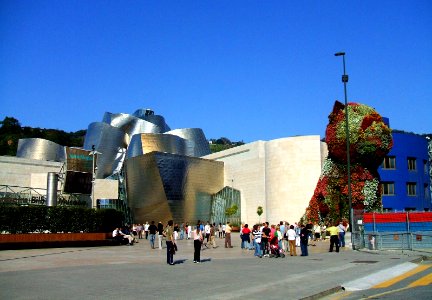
389,162
411,188
387,188
425,166
412,166
426,191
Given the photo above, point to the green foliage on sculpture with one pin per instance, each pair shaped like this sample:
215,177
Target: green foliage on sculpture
370,141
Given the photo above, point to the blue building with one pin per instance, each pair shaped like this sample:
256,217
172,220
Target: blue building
405,174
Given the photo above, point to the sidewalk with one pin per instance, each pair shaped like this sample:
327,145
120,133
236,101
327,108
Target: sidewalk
139,272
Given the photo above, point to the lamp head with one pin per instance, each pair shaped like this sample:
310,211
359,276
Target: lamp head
340,54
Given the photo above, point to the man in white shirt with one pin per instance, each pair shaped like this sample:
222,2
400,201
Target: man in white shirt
117,233
207,231
146,227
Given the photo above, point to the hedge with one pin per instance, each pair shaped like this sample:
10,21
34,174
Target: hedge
25,219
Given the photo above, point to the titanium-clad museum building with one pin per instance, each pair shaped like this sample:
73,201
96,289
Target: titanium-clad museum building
161,174
136,163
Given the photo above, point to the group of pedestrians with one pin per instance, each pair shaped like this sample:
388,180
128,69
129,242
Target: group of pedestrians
289,236
264,239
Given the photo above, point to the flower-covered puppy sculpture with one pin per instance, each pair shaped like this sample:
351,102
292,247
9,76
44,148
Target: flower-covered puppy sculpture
370,141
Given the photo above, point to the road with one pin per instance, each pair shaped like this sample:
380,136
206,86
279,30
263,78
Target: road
415,283
131,272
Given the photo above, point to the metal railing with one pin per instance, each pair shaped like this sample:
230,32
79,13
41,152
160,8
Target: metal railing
414,241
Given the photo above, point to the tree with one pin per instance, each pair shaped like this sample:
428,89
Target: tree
10,125
230,211
10,133
260,211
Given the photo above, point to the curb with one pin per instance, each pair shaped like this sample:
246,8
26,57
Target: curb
324,293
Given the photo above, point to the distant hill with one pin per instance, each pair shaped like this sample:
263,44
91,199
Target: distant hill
223,143
11,131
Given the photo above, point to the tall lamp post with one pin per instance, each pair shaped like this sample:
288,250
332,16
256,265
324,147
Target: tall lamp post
93,154
345,80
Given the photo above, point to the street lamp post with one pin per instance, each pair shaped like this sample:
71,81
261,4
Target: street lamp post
93,154
345,80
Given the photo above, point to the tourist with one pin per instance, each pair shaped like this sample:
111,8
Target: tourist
317,231
117,233
152,233
257,240
304,239
279,236
189,231
146,230
324,232
160,234
182,227
266,232
245,237
198,239
228,230
168,233
334,237
207,231
342,230
213,236
291,235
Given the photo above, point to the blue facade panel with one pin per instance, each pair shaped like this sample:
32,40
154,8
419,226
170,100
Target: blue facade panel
408,146
386,227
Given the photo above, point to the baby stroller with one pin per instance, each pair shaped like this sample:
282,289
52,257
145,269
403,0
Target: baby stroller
275,251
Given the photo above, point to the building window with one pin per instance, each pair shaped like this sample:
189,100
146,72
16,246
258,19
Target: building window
389,162
425,166
412,166
426,191
411,188
387,188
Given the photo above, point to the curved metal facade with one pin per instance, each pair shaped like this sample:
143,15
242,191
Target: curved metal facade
146,143
110,141
41,149
176,187
197,144
148,115
120,135
131,124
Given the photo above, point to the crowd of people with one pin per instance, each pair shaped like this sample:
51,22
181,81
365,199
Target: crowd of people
266,240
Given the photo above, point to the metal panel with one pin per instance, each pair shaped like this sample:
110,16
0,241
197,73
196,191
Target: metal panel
132,125
148,115
197,144
40,149
146,143
163,186
109,141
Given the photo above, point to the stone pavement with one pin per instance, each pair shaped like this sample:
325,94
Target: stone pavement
138,272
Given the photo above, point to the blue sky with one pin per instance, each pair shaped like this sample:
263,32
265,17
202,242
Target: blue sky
246,70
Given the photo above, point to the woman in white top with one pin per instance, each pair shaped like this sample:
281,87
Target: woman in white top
291,234
198,238
189,232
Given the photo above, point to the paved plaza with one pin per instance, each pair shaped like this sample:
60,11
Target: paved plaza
138,272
